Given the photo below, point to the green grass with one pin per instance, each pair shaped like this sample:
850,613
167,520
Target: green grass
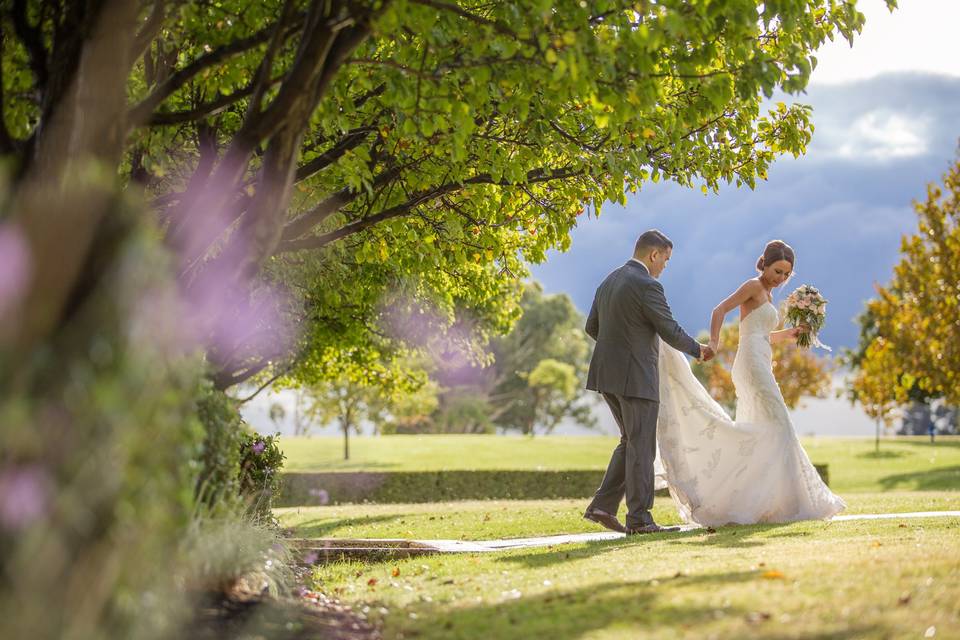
903,464
871,579
491,519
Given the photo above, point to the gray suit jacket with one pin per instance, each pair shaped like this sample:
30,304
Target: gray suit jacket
629,311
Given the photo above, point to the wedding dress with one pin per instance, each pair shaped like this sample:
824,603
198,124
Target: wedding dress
720,471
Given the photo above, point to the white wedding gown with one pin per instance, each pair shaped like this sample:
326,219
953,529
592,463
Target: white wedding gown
751,470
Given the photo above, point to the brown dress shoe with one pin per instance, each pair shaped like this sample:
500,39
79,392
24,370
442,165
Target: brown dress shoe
605,519
653,527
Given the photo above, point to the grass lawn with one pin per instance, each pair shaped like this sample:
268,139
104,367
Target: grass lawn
871,579
903,464
859,579
490,519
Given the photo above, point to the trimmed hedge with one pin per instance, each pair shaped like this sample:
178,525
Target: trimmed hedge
304,489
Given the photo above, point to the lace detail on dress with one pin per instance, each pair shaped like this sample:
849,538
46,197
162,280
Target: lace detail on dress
750,470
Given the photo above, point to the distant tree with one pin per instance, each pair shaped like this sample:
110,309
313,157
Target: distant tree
346,403
799,372
464,410
277,414
536,378
909,347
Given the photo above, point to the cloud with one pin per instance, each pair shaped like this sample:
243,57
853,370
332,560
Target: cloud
884,136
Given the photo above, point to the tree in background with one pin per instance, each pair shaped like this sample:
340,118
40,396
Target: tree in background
346,403
799,372
535,378
910,332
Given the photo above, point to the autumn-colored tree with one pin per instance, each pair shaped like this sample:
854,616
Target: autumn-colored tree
910,332
799,372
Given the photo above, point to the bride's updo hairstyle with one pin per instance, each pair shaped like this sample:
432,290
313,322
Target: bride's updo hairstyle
775,251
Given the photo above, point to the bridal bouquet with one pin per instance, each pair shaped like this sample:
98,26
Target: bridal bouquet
806,306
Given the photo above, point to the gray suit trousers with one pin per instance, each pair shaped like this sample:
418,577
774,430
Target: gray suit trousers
630,471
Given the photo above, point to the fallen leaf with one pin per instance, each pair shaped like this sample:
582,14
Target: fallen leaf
372,582
904,598
396,572
903,525
762,564
772,574
876,543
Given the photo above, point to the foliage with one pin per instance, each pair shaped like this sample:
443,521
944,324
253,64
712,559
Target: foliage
798,372
554,385
909,348
99,455
259,471
538,365
447,484
463,409
433,486
218,552
219,483
347,403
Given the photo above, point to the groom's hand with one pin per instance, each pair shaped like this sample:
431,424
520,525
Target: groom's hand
706,353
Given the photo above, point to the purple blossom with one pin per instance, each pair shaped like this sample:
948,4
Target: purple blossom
321,495
259,446
311,557
24,496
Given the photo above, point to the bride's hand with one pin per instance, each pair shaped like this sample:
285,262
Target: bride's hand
796,331
715,346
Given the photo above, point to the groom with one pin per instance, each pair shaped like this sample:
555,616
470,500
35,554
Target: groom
629,311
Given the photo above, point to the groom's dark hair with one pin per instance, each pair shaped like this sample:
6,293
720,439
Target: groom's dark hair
650,240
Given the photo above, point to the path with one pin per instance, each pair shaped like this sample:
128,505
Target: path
315,550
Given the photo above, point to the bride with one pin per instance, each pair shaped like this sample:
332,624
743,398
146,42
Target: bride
720,471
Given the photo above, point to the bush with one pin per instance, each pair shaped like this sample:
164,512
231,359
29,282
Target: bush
260,462
218,485
434,486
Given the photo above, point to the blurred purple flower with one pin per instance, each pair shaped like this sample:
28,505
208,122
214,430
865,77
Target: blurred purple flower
311,557
259,446
321,495
24,496
220,306
15,266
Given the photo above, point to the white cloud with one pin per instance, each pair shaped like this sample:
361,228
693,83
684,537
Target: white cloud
881,135
918,36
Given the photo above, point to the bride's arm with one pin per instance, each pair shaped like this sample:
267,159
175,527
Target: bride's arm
747,290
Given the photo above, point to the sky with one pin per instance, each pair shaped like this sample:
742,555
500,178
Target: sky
887,122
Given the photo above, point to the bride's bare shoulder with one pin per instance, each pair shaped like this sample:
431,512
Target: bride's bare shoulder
751,286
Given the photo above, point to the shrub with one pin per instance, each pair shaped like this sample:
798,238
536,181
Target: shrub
260,462
218,484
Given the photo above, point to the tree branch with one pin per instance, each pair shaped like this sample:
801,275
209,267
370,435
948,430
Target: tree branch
316,242
142,111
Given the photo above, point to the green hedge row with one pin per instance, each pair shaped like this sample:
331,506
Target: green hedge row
304,489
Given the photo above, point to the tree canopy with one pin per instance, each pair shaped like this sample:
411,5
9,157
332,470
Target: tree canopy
316,167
